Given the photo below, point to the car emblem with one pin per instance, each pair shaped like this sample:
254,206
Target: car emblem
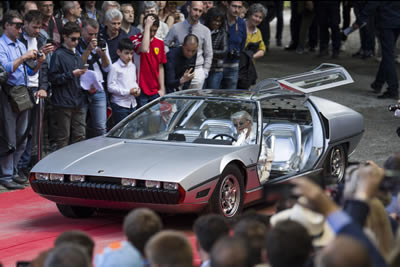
100,171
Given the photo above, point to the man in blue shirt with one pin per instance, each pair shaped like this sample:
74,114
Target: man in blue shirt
237,34
13,124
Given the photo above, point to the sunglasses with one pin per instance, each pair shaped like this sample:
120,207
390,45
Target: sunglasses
74,39
18,25
240,123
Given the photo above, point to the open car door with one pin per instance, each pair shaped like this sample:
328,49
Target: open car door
323,77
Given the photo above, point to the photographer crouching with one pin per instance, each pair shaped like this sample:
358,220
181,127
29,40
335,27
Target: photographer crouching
15,100
179,71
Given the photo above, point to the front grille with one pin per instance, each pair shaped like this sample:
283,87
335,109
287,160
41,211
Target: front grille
100,191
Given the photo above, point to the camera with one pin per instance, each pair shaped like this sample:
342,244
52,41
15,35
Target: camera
234,54
391,181
393,108
101,43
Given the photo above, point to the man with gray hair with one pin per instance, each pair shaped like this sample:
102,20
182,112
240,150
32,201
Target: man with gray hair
72,12
94,52
151,7
112,32
177,34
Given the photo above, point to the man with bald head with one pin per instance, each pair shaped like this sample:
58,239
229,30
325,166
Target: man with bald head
191,25
181,62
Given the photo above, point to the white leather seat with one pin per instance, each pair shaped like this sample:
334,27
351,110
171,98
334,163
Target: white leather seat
284,139
212,127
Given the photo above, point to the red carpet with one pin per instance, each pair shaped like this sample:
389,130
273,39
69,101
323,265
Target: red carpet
29,224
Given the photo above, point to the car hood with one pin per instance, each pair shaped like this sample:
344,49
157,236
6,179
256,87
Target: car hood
110,157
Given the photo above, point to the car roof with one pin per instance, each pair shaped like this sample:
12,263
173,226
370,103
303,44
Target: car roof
233,94
323,77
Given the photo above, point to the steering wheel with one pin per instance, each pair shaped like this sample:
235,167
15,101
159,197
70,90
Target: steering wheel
225,135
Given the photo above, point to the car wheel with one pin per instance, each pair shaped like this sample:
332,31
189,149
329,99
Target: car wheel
227,198
336,163
75,211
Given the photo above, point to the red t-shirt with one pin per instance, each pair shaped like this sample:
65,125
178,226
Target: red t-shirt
148,67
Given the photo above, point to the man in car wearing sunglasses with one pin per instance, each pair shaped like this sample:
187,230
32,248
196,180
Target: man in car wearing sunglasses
13,124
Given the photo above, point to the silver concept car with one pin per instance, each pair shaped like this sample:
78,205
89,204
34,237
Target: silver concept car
181,153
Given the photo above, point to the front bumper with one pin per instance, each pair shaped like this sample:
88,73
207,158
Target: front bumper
114,196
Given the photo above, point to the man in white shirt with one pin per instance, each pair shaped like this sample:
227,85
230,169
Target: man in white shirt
122,82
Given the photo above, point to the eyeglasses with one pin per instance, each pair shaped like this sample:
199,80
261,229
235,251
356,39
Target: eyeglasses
240,123
74,39
18,25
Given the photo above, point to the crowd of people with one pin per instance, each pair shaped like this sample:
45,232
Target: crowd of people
348,226
81,63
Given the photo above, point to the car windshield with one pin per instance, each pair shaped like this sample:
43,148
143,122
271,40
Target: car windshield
196,120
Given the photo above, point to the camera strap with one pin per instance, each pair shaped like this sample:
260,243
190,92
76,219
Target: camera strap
23,65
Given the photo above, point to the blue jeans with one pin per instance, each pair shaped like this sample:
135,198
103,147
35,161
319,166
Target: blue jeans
98,114
214,80
143,99
18,122
230,78
25,159
119,113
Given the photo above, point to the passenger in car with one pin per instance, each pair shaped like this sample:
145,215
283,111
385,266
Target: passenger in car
247,134
243,123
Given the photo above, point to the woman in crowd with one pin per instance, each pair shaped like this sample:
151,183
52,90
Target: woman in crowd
215,22
254,42
164,15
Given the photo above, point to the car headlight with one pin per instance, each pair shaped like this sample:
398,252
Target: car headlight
42,176
128,182
77,178
170,186
56,177
153,184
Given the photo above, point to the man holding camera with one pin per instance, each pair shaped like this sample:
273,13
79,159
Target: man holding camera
33,38
237,33
13,117
94,52
180,65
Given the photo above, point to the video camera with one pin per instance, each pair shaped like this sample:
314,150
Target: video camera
234,54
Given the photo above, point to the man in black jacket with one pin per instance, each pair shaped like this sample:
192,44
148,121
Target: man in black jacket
181,62
68,99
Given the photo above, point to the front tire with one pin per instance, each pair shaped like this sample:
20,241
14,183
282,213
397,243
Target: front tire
75,212
228,195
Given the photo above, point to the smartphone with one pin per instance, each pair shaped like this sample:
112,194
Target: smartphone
391,181
86,66
50,41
